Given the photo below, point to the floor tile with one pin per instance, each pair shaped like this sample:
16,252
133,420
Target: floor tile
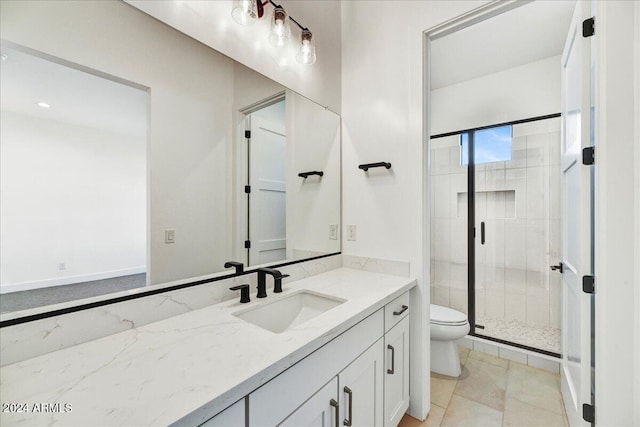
468,413
436,414
535,387
488,358
442,388
463,353
483,382
520,414
434,419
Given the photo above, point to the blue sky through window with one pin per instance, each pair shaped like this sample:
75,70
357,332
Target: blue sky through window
490,145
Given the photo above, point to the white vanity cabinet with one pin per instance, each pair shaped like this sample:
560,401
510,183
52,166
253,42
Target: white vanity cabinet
352,398
321,410
233,416
361,389
350,381
396,344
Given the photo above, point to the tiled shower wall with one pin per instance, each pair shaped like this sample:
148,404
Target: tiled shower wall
519,202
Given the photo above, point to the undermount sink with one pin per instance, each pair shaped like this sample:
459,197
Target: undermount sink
290,311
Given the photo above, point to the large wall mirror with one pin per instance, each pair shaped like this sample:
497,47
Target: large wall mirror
115,180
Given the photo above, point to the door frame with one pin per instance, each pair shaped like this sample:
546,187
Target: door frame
241,162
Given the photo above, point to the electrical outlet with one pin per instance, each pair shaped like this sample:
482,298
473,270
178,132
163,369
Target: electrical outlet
62,266
333,231
351,233
169,236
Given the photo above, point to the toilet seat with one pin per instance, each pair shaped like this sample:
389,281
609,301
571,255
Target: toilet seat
446,316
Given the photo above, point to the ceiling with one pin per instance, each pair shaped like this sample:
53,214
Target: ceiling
75,97
519,36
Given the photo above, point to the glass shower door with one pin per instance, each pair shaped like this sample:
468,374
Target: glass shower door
517,234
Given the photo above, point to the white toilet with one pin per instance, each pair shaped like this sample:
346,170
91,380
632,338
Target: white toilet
447,325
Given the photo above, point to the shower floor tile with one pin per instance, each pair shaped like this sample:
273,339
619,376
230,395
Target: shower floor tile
515,331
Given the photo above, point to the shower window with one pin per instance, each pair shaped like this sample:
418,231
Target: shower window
490,145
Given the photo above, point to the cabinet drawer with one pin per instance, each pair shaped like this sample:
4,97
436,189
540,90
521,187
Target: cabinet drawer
395,311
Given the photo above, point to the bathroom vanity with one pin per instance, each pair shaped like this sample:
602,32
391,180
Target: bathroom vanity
209,366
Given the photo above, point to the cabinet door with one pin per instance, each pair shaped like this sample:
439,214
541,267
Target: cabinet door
321,410
361,389
396,382
233,416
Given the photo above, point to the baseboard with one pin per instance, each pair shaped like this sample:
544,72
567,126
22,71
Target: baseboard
70,280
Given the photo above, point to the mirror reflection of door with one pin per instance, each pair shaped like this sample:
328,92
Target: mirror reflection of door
267,180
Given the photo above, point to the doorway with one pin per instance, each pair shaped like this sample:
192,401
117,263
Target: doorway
266,161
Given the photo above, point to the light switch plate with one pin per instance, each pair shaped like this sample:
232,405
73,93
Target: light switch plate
333,231
351,233
169,236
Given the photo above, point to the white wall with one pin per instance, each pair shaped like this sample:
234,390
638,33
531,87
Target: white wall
382,112
530,90
81,201
210,23
191,92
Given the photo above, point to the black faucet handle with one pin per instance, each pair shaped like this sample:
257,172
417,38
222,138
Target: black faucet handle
238,266
244,292
277,283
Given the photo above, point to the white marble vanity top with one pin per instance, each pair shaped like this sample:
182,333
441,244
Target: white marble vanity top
186,368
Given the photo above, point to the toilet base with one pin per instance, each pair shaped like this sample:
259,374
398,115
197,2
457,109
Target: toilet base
445,359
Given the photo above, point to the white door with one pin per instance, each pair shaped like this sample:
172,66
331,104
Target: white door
361,389
267,200
576,221
321,410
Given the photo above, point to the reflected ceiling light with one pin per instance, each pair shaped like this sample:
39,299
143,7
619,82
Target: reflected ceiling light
307,51
43,104
248,11
280,28
3,56
244,11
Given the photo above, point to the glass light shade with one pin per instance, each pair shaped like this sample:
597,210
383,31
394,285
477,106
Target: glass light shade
307,50
244,12
280,28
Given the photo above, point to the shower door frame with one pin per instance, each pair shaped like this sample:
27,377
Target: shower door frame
471,232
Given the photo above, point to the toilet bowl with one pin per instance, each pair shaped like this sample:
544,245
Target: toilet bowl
447,325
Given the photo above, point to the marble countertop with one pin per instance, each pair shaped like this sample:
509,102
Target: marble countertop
186,368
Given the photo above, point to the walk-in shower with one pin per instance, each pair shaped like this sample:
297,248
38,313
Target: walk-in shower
495,227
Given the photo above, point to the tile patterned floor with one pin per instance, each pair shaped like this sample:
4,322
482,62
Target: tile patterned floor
494,392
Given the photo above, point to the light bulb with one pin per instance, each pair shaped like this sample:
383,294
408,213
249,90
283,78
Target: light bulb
307,51
280,29
244,11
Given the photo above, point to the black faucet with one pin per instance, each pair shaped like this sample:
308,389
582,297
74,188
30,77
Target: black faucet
262,281
244,292
238,265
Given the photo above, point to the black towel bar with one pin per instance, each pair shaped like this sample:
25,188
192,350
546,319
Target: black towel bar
365,167
306,175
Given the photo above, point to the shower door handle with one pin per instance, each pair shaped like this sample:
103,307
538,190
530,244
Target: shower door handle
482,233
559,268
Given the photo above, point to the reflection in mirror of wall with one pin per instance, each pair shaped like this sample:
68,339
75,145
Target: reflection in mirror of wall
192,165
73,183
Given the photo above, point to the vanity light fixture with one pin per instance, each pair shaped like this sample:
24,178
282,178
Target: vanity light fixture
248,11
307,51
280,29
244,12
